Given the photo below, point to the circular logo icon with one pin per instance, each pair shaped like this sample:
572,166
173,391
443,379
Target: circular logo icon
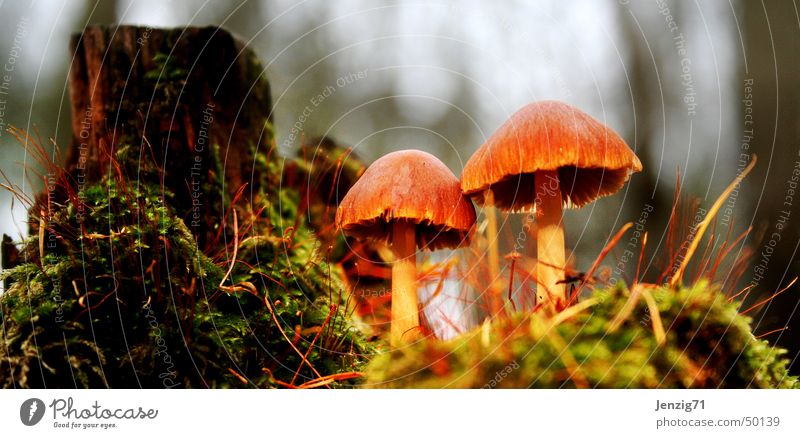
31,411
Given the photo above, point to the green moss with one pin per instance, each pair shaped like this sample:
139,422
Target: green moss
708,345
124,297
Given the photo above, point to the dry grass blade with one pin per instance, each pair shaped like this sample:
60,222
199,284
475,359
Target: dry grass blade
655,317
42,226
641,258
571,311
626,310
712,213
235,248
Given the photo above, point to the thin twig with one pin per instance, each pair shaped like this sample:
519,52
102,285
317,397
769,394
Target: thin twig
310,347
772,331
770,298
283,333
324,381
611,244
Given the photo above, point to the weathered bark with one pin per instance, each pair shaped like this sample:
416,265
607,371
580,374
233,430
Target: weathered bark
171,95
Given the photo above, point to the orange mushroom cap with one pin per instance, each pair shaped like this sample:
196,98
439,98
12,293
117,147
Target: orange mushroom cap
412,186
591,159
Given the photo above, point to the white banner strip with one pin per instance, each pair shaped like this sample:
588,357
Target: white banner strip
354,413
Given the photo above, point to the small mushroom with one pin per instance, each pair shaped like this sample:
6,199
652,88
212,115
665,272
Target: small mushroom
408,198
547,156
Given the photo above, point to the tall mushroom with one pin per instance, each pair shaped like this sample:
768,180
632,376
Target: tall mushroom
547,156
408,198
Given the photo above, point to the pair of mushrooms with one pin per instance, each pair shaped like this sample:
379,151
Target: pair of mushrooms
547,156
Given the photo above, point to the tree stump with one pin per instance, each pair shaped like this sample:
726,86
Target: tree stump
193,101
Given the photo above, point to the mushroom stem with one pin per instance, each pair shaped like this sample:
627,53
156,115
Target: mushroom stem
496,301
405,311
549,238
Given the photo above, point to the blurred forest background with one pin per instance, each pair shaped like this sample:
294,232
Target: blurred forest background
695,88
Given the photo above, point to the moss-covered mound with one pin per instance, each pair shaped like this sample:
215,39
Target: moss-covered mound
116,292
608,341
173,248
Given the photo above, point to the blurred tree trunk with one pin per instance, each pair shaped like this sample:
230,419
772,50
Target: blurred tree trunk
643,64
772,46
100,12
